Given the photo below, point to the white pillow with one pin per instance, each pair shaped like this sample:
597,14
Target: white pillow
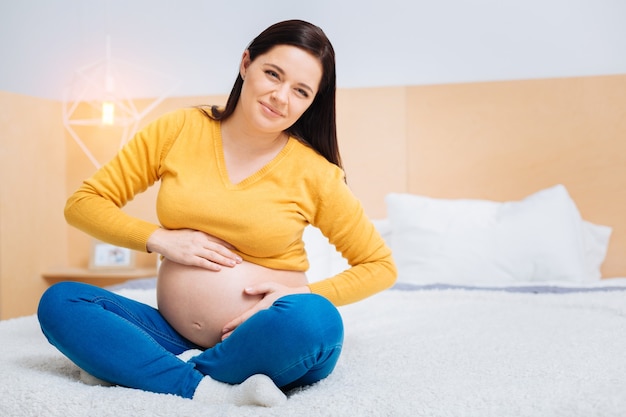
318,251
463,241
596,239
324,259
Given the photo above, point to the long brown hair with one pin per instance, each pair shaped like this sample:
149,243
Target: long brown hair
317,126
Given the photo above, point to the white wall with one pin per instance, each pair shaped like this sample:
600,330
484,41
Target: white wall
393,42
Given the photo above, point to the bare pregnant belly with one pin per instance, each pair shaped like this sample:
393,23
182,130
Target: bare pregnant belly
198,302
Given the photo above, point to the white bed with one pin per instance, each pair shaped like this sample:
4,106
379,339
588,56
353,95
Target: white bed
505,316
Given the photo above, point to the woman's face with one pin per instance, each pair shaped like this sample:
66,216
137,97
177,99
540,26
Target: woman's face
279,86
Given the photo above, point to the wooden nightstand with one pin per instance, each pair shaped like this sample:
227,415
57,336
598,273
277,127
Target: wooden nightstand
99,277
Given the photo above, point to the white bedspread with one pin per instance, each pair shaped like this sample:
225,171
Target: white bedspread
407,353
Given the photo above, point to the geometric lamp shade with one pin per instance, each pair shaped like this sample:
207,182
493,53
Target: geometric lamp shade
99,89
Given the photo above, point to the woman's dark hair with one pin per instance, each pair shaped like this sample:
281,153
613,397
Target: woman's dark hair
317,126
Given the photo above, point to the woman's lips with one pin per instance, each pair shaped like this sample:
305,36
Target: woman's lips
271,110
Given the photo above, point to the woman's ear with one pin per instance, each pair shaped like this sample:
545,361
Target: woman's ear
245,63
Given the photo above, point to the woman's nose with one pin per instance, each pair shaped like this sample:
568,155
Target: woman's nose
280,94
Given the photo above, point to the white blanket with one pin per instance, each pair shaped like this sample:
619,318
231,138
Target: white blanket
407,353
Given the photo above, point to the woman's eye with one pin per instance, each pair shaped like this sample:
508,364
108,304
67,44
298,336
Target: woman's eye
272,74
302,92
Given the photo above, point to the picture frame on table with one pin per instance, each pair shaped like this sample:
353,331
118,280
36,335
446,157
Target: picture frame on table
107,256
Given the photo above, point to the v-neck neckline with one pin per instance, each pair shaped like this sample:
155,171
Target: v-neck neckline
223,170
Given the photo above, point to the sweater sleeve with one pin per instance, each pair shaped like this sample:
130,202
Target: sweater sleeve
342,219
96,207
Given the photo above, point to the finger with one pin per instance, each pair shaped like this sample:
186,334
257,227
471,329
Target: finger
260,289
211,256
206,264
193,260
233,324
220,255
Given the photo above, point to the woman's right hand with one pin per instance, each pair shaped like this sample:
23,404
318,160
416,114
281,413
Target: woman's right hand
192,247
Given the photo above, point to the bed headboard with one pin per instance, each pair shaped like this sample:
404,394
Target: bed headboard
506,140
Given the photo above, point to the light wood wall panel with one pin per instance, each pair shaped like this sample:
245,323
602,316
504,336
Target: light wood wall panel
371,129
505,140
32,195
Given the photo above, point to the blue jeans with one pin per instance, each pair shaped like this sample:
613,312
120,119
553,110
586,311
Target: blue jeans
296,342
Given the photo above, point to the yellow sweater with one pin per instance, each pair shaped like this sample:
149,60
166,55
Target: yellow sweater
263,216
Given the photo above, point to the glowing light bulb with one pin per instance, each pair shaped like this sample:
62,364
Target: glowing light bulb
108,112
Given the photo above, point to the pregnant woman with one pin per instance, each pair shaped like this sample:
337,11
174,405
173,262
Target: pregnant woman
238,185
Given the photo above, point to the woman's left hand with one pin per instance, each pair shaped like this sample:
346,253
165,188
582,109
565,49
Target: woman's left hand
271,291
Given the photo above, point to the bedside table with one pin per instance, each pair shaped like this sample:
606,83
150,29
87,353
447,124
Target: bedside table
99,277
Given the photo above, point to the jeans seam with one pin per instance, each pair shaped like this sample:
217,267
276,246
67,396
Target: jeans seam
141,324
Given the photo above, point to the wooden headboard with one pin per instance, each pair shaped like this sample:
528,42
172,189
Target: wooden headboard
506,140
